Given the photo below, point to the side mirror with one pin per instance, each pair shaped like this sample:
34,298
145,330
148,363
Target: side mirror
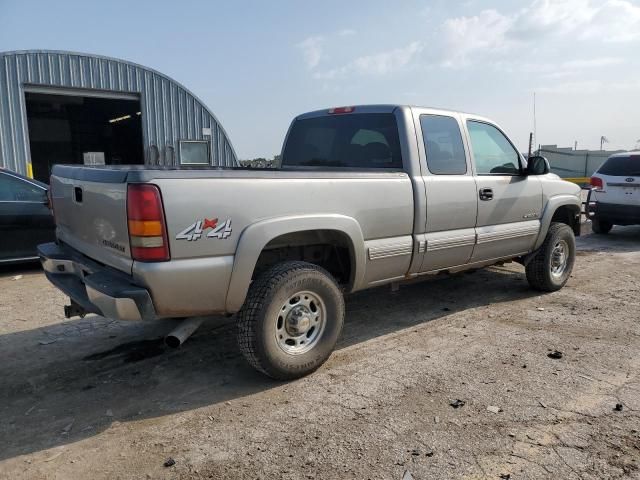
537,165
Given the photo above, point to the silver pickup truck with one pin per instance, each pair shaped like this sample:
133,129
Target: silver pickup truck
365,196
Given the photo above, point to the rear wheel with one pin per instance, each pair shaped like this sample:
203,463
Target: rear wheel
600,226
291,320
551,266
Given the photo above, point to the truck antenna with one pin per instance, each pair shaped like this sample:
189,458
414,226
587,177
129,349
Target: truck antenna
535,132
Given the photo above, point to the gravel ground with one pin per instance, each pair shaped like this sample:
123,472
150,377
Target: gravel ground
101,399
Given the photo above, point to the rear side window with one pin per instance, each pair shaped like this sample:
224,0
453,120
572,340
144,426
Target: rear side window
365,140
443,144
621,166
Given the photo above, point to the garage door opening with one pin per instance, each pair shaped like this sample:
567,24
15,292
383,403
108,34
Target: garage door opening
82,130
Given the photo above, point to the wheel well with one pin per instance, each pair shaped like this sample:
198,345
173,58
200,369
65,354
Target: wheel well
330,249
570,215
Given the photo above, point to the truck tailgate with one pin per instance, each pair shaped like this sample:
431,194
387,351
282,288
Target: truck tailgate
90,207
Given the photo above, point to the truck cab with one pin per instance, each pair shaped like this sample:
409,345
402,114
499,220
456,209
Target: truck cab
475,198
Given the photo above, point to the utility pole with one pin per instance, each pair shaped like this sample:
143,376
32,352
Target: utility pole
575,145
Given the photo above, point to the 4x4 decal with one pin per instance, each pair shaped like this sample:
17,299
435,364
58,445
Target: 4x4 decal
196,230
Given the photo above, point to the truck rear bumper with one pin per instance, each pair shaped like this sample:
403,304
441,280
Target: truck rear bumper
96,288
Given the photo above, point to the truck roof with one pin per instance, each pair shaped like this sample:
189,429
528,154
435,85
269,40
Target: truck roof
378,108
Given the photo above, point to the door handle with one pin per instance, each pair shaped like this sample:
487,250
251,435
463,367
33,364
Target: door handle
486,194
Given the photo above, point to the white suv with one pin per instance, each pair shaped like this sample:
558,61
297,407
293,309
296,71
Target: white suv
615,195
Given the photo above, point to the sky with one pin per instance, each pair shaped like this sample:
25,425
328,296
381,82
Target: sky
257,64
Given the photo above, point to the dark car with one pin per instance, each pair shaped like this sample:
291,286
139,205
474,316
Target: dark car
25,218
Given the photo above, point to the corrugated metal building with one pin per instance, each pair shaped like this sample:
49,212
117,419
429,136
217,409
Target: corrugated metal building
63,107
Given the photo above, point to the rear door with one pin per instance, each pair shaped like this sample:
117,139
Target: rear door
509,203
620,175
450,188
25,219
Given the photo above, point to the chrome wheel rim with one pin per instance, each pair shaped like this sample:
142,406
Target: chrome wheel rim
300,322
559,258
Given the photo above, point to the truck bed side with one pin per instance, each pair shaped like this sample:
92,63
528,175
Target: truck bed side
380,204
208,215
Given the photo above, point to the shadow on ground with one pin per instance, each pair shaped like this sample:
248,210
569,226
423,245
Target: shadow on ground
65,382
619,239
12,270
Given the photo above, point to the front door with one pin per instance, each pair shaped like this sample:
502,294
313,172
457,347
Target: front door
451,194
509,203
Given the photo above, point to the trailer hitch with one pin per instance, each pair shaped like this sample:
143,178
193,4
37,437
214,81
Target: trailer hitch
74,310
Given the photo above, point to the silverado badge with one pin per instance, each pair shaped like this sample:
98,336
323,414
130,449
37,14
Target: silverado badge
196,230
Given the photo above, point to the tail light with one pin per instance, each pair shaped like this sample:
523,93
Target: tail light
147,230
597,183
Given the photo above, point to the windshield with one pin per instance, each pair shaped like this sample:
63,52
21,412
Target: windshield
367,140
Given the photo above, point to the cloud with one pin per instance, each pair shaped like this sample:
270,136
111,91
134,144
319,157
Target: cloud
590,87
627,85
465,37
522,41
377,64
552,17
313,48
592,63
312,51
572,68
609,21
616,21
491,33
577,88
385,62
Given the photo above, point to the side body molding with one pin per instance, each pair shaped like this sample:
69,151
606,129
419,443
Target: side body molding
552,205
255,237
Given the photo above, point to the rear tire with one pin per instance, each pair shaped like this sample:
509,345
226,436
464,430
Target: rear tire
601,227
551,266
291,320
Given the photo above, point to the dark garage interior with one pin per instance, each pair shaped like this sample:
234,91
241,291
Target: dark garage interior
76,129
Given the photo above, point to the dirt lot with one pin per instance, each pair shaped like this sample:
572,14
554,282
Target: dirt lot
96,398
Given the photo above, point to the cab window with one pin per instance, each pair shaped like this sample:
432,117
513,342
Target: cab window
492,152
443,145
366,140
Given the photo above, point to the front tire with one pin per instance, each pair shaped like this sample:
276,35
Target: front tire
291,320
601,227
551,266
